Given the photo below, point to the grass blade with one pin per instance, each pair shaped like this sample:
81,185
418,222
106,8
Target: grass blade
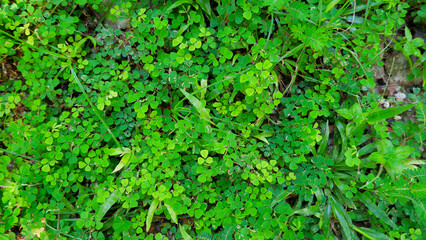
323,146
111,200
379,213
185,235
388,113
198,105
151,212
205,5
326,220
343,217
123,162
94,109
172,213
371,234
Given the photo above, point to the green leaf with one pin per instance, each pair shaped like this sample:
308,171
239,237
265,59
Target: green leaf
379,213
281,196
292,51
326,219
408,34
331,5
403,152
323,146
388,113
346,113
249,91
204,153
120,151
377,157
123,162
46,168
151,212
247,15
111,200
177,4
82,41
198,105
262,136
205,5
185,235
8,236
343,217
371,234
172,213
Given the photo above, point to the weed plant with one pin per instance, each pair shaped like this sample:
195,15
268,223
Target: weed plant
203,119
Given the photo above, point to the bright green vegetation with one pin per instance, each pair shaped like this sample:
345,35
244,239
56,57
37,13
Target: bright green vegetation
203,119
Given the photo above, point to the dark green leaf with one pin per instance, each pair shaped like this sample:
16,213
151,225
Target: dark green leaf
379,213
198,105
343,217
205,5
371,234
111,200
388,113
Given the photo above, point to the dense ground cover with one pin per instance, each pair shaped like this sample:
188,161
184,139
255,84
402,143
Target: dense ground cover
216,119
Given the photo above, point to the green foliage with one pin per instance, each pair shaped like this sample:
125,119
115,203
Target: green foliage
207,120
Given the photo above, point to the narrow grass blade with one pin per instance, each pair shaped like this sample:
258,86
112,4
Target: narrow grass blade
205,5
281,196
331,5
388,113
123,162
185,235
323,146
177,4
292,51
111,200
379,213
343,217
371,234
151,212
77,80
198,105
172,213
326,220
262,136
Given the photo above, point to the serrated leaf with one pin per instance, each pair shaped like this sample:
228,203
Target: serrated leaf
227,233
204,114
123,162
185,235
151,212
388,113
172,213
111,200
379,213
